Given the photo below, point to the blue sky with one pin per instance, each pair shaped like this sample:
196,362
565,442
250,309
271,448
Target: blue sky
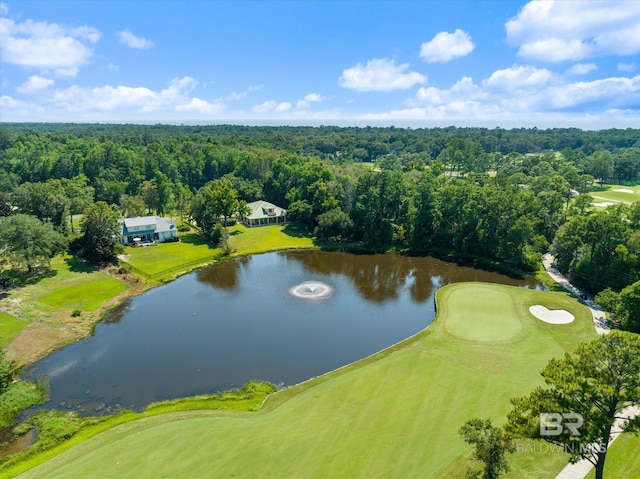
405,63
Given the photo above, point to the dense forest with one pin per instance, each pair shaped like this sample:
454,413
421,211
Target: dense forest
494,195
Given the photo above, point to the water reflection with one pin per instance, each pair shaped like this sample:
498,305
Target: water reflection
224,275
236,321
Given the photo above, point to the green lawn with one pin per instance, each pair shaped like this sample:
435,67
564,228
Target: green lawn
261,239
71,285
623,459
394,414
10,327
166,259
154,260
617,194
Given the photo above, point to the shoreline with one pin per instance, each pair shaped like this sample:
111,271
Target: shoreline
44,335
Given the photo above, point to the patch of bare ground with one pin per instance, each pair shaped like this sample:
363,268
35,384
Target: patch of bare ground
48,331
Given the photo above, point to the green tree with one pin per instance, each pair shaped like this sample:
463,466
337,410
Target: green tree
595,382
79,194
100,233
133,205
216,199
27,241
629,307
165,200
491,446
149,194
5,205
334,225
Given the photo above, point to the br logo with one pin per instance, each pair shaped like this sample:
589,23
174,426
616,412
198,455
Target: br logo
554,424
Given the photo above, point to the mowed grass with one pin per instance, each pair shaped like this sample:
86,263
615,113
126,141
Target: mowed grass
394,414
617,194
245,241
72,285
623,458
10,327
166,259
166,256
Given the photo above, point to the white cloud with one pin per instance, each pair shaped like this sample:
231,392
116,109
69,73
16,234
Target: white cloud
265,107
66,72
516,77
201,106
525,95
463,90
555,50
616,92
308,100
555,31
113,67
34,83
45,45
4,9
129,39
123,99
627,67
234,96
380,74
284,106
582,68
272,105
446,46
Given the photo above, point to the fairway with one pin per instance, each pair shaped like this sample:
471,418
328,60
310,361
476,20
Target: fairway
616,194
395,414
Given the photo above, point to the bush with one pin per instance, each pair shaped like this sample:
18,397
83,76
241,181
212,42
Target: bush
76,313
19,396
6,282
54,427
334,225
217,233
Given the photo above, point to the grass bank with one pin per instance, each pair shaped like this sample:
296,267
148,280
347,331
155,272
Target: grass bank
167,260
394,414
64,305
57,308
248,398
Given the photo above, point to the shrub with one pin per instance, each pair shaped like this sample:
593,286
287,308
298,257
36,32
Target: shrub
19,396
76,313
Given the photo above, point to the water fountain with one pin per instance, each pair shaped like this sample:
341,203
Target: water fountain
311,290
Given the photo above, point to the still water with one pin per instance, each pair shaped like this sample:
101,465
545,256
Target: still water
281,317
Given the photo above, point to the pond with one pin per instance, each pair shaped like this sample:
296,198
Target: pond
281,317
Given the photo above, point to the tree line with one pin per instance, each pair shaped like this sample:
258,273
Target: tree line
505,196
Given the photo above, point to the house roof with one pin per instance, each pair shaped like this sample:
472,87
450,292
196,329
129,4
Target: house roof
140,221
156,224
264,209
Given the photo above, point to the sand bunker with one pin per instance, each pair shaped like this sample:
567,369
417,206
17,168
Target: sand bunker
553,316
604,203
624,190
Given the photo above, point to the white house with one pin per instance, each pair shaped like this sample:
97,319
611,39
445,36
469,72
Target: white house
264,213
148,229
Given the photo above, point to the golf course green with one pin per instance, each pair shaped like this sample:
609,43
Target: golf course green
394,414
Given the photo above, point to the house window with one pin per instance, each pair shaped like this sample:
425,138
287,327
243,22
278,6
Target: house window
156,236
